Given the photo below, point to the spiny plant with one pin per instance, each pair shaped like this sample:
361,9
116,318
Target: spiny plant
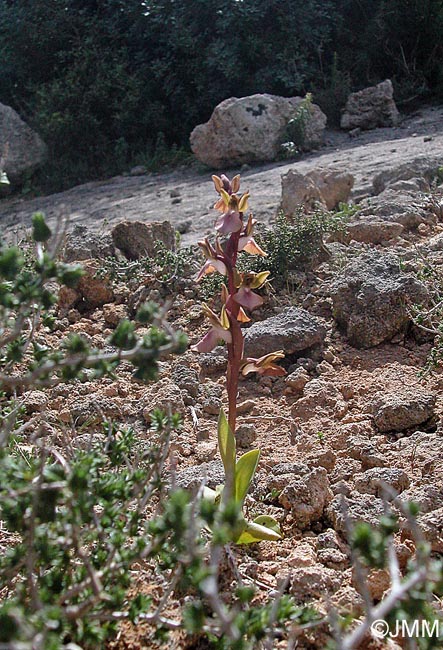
235,234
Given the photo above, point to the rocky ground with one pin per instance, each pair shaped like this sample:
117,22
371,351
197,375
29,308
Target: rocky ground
354,409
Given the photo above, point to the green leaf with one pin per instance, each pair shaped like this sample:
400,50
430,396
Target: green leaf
40,230
244,473
226,443
256,533
268,522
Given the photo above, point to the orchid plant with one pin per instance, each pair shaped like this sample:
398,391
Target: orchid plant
234,233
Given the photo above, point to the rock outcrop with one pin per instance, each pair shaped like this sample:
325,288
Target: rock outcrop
251,129
370,108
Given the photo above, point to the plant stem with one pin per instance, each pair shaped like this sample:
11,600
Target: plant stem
235,348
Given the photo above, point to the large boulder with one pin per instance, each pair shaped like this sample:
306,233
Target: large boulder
294,331
371,297
22,151
251,129
370,108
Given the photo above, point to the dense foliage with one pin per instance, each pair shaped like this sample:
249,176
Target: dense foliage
113,83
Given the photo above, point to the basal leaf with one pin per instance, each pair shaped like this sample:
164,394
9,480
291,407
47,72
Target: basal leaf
244,473
257,533
226,443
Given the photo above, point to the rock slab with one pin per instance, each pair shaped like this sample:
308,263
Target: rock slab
251,129
401,411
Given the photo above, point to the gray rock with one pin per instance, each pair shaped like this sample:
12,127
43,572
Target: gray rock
215,361
344,511
335,185
299,191
245,435
373,232
186,379
422,166
251,129
22,151
431,525
82,244
325,188
371,296
211,473
371,108
137,239
372,481
313,582
306,496
401,411
428,497
396,206
293,331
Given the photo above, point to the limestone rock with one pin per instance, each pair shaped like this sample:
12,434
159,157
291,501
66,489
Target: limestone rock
250,129
370,298
335,186
401,411
372,232
164,395
365,508
422,167
137,239
372,481
293,331
22,151
396,206
313,582
305,493
212,474
370,108
83,244
325,188
298,190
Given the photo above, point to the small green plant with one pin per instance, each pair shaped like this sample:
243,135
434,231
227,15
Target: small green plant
296,243
294,138
241,472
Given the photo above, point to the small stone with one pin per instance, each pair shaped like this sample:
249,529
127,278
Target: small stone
401,411
113,314
245,435
35,401
298,379
373,480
